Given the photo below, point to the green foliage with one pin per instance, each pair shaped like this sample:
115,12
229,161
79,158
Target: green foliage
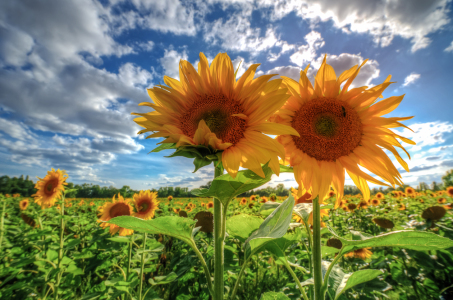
448,179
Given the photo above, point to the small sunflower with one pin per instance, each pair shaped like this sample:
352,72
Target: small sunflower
449,191
146,204
352,206
401,206
345,208
339,130
203,204
24,204
209,107
169,198
447,207
252,198
363,253
375,202
7,195
243,201
380,196
91,203
113,209
50,188
331,194
422,201
441,200
210,205
410,191
16,195
363,204
273,197
263,199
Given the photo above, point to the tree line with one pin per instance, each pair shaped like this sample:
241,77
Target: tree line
26,187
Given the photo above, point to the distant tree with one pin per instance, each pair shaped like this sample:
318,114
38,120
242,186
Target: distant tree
448,179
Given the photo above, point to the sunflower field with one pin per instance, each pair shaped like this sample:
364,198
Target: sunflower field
317,243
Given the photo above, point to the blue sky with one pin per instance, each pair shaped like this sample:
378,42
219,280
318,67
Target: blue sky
71,72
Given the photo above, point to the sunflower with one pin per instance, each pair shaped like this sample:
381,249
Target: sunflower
146,204
379,196
330,194
375,202
210,205
252,198
91,203
114,209
449,206
339,129
273,197
243,201
263,199
169,198
323,212
24,204
352,206
422,201
81,203
191,204
203,204
177,209
401,206
16,195
7,195
50,188
363,253
345,208
449,191
211,108
410,191
441,200
363,204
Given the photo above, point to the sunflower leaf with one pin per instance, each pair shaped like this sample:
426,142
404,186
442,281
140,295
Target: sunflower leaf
275,226
352,279
274,296
225,187
286,169
241,226
408,239
200,163
164,146
180,228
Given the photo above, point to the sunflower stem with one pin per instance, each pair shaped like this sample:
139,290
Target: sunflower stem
219,237
316,250
129,257
2,225
60,252
301,288
142,266
326,277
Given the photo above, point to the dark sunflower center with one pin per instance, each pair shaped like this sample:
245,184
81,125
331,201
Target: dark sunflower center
119,209
216,111
328,128
50,186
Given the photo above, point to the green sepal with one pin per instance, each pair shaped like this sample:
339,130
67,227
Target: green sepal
164,146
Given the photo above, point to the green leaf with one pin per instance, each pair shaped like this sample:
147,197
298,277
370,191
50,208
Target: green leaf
163,279
286,169
278,246
241,226
328,251
164,146
200,163
51,254
225,187
275,226
120,239
70,191
269,205
415,240
352,279
72,243
180,228
274,296
303,210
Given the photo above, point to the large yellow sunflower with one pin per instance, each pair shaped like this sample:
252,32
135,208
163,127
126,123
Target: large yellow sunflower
211,108
339,129
146,204
50,188
114,209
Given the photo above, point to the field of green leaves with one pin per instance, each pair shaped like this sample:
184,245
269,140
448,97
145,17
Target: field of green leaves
97,265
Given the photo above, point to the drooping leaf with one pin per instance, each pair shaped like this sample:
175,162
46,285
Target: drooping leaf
275,226
225,187
180,228
415,240
241,226
278,246
200,163
352,279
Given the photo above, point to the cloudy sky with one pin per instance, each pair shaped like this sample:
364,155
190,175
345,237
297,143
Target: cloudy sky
72,71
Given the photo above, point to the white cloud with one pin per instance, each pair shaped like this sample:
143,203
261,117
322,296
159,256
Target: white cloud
426,134
146,46
449,48
17,130
383,20
306,53
170,62
133,75
411,79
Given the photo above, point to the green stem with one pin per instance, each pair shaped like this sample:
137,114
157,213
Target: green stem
60,251
142,266
316,249
2,224
301,288
326,277
236,285
129,257
205,267
219,237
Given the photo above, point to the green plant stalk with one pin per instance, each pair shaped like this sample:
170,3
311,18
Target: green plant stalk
129,256
60,251
316,249
236,285
2,225
142,266
326,277
219,237
301,288
205,267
